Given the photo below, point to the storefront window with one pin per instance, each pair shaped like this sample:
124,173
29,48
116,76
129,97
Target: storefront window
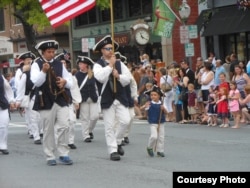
139,7
241,52
1,20
248,47
86,18
118,12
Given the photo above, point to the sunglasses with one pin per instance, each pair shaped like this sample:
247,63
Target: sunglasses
108,49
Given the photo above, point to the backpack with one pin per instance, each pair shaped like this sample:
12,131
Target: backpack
166,87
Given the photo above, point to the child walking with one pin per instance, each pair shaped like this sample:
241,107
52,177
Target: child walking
211,112
222,107
156,119
234,106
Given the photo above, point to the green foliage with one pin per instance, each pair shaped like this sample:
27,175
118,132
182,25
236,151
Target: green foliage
103,4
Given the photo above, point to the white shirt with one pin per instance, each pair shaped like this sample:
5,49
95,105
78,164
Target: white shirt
102,74
38,77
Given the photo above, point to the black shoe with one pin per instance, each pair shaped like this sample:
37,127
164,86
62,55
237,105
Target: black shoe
87,140
4,151
31,136
123,143
160,154
126,140
91,135
72,146
120,150
37,142
41,135
115,156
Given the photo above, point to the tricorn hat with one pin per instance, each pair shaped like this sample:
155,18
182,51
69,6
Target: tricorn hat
47,44
103,42
156,89
85,59
25,55
121,57
61,56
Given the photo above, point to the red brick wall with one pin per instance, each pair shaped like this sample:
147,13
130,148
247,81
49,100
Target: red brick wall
178,48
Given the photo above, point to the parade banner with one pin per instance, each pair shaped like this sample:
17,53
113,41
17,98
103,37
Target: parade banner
163,19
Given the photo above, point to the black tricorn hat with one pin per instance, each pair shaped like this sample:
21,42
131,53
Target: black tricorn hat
103,42
47,44
25,55
121,57
61,56
156,89
84,59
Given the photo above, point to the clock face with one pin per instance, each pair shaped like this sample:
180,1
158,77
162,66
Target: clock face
141,36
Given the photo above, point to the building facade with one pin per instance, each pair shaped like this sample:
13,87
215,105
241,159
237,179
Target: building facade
95,24
225,29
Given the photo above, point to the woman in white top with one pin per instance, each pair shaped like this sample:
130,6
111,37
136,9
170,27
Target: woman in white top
206,80
168,98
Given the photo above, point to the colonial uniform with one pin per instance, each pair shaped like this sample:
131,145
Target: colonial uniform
132,96
6,97
76,99
156,119
52,103
114,105
26,87
88,108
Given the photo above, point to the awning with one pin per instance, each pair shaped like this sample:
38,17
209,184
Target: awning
228,20
203,19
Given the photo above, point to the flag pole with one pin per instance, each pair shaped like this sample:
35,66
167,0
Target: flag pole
112,34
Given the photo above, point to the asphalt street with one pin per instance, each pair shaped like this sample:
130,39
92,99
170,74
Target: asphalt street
187,148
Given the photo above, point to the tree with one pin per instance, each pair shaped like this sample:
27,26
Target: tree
30,13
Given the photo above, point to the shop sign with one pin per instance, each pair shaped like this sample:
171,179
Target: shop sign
121,39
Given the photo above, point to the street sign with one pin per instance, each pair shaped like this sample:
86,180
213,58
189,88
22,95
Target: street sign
85,45
189,49
12,62
193,32
184,36
91,42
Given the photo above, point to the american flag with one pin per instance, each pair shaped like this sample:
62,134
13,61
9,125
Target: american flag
66,55
60,11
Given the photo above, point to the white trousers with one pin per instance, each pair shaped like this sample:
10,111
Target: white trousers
121,113
156,139
132,115
4,122
88,115
72,123
34,121
55,119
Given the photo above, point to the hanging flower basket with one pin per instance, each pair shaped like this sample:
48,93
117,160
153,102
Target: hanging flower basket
243,4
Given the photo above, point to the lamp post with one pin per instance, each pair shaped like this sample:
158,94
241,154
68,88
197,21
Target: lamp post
184,12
